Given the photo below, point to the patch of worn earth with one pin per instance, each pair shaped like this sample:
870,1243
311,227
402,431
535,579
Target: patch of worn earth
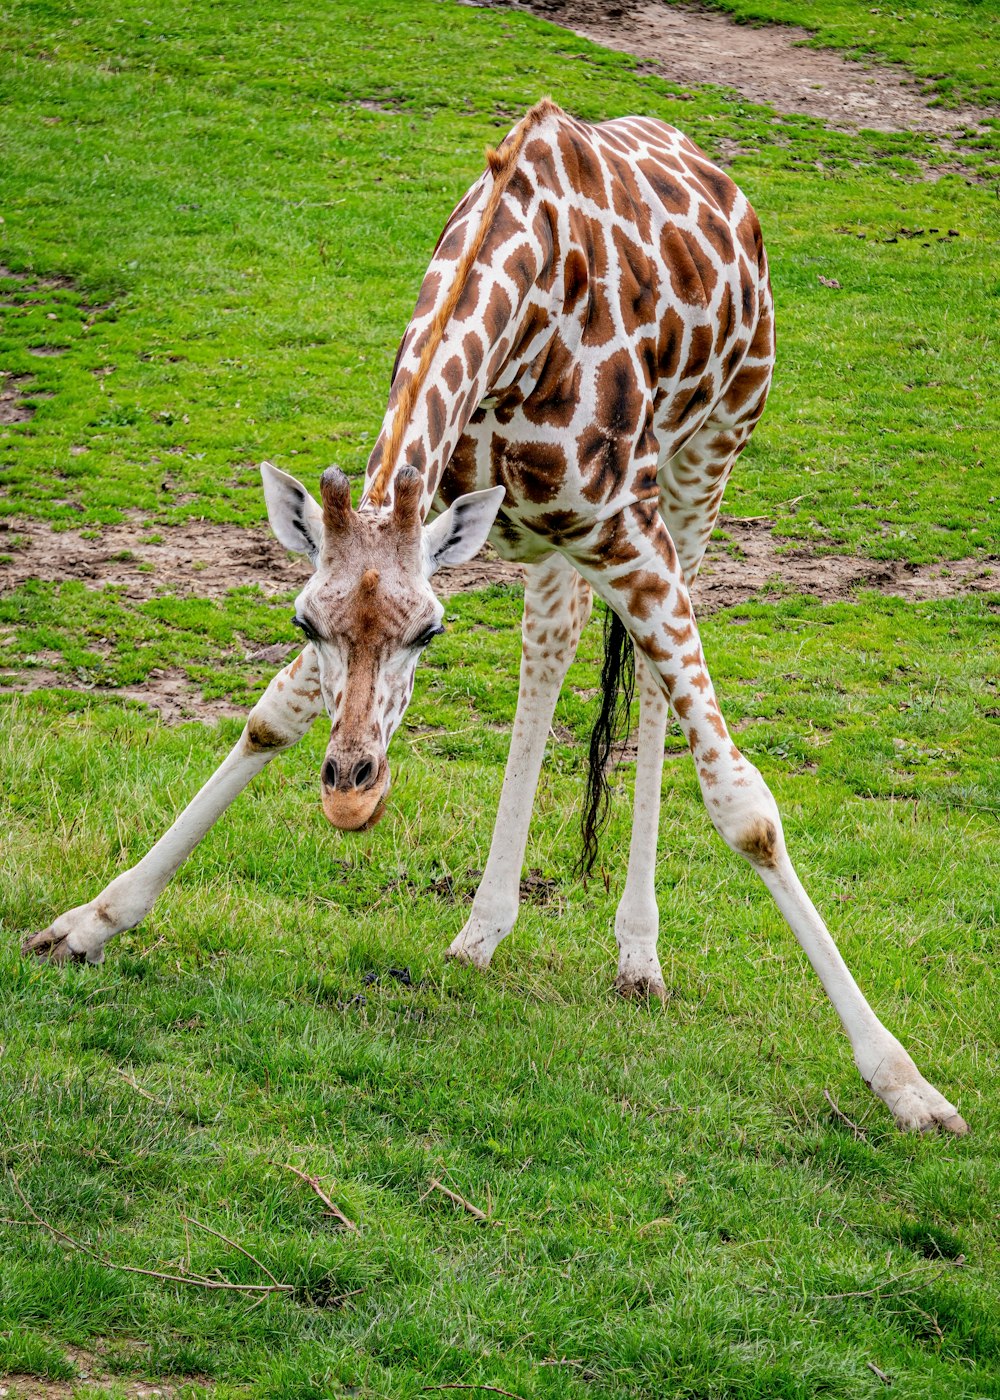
767,64
13,408
92,1379
207,560
755,564
22,1387
172,695
194,559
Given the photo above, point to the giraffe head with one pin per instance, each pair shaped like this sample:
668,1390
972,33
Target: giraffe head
369,611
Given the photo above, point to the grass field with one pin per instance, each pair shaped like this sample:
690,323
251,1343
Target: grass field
220,216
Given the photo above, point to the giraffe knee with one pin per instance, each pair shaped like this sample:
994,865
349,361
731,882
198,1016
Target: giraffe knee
263,735
759,841
750,824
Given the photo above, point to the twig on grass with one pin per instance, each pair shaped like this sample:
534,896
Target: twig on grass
462,1385
314,1183
144,1093
190,1220
858,1132
193,1280
476,1213
886,1380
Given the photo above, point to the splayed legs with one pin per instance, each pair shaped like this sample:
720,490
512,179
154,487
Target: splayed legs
648,592
278,720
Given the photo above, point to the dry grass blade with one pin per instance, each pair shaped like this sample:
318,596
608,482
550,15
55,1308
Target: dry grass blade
880,1288
190,1220
192,1280
144,1093
314,1183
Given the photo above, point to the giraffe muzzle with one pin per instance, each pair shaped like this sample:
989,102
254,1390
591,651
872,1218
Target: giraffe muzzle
355,792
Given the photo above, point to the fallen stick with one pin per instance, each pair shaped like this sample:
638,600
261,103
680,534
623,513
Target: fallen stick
886,1380
137,1087
858,1132
190,1220
462,1385
192,1280
474,1211
314,1183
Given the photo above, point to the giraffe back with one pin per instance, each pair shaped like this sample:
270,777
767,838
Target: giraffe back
619,294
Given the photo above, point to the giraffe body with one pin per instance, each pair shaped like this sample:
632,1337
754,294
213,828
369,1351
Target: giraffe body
591,348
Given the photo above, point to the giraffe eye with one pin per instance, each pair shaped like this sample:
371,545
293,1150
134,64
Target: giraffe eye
305,627
426,637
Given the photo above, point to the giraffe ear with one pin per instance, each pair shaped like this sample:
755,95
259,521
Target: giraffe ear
296,519
460,532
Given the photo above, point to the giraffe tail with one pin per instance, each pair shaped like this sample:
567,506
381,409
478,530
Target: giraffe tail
611,731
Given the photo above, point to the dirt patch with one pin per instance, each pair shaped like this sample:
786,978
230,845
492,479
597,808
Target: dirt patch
751,566
196,558
767,64
13,409
171,694
21,1387
92,1378
207,560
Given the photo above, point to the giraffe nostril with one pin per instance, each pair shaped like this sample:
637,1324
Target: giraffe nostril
330,773
363,773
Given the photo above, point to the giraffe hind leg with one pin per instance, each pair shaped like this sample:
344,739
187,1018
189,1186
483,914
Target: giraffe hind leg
557,603
637,917
648,590
692,484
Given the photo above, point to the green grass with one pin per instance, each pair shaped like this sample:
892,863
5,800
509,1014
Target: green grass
257,239
676,1201
675,1208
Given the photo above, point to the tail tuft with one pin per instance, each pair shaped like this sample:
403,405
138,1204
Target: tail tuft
611,728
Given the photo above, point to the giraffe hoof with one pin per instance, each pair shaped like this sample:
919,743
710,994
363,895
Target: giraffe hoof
640,988
474,946
49,946
919,1108
468,957
79,935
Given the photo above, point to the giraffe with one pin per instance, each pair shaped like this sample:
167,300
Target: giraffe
590,350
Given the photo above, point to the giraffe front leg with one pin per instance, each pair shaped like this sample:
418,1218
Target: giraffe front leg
556,605
637,918
278,720
648,591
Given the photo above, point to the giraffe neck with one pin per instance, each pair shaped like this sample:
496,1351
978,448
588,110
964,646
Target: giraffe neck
466,323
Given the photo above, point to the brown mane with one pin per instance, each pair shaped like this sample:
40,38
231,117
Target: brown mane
502,162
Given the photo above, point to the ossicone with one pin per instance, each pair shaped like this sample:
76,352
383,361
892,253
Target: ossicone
335,492
407,492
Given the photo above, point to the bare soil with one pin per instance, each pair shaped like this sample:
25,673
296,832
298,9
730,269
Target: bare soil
207,560
13,409
765,63
196,558
756,563
22,1387
92,1379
